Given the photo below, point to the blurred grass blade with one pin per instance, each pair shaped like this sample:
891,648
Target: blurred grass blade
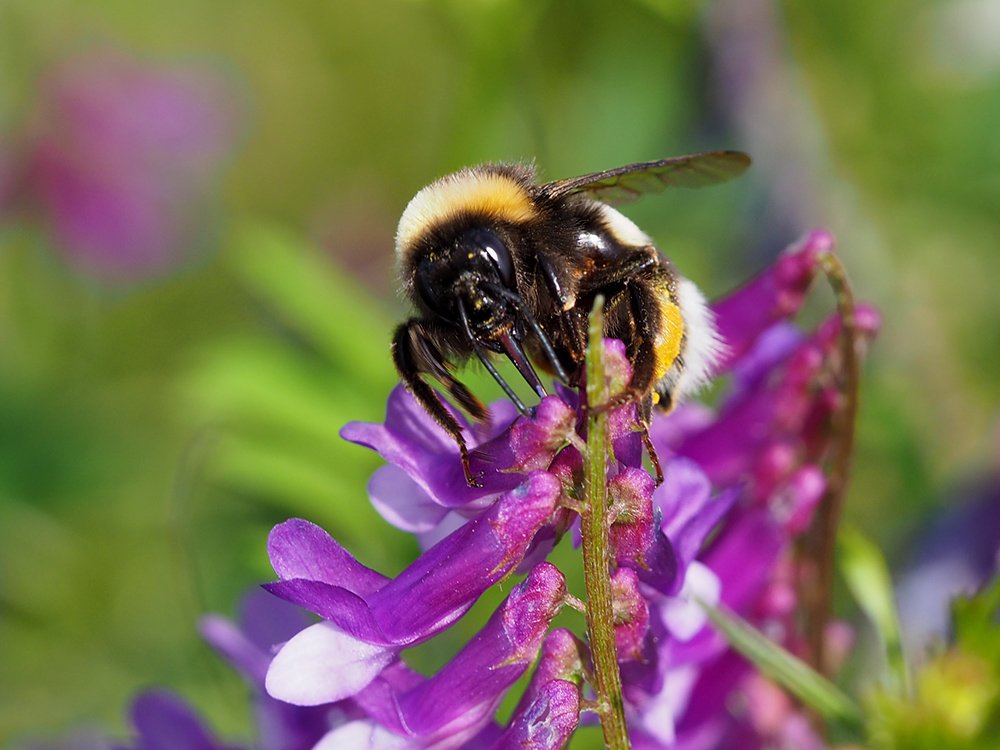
324,306
867,576
814,690
970,614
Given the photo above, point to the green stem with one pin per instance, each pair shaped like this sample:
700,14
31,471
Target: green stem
596,556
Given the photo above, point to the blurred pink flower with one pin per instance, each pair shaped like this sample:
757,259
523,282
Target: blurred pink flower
122,158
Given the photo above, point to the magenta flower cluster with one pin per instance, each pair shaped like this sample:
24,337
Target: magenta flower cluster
742,482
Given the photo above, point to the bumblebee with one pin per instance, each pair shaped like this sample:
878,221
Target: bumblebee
496,263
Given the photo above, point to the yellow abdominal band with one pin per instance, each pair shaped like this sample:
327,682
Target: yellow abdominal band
668,341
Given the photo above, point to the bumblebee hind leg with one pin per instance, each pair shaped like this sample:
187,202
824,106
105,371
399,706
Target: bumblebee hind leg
644,410
414,353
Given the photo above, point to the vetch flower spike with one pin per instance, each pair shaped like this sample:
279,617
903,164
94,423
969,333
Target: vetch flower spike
367,623
455,705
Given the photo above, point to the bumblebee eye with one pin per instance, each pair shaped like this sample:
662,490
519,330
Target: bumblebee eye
429,289
496,250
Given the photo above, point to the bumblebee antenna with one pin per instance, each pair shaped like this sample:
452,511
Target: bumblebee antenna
543,338
490,367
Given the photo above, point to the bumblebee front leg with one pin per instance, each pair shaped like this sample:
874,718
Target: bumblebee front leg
414,352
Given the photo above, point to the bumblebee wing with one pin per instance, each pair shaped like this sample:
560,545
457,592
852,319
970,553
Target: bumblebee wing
623,184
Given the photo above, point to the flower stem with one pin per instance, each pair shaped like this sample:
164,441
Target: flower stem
596,556
839,462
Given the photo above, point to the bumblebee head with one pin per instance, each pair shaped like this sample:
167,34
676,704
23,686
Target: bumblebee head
473,276
455,245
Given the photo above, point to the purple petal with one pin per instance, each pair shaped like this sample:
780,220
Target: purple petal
726,449
363,735
165,722
433,592
407,428
452,522
662,567
671,430
323,664
773,347
688,511
469,688
300,549
743,557
411,440
655,726
283,726
547,723
444,581
235,647
702,724
269,620
777,293
348,611
266,620
683,615
402,502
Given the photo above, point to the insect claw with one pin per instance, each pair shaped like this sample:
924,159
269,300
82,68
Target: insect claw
470,478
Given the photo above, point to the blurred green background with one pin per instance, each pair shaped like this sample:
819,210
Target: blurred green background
157,417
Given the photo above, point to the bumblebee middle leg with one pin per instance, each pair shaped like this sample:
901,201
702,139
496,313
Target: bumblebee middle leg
644,318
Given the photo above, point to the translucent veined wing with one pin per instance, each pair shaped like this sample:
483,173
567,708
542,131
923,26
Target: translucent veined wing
622,184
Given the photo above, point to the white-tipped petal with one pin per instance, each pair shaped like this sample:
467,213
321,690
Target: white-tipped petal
323,664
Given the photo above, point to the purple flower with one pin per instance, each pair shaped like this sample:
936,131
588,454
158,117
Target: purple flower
761,451
454,706
369,619
549,709
424,481
121,159
163,721
742,481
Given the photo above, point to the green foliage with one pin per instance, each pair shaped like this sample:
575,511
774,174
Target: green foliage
867,576
956,699
277,402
